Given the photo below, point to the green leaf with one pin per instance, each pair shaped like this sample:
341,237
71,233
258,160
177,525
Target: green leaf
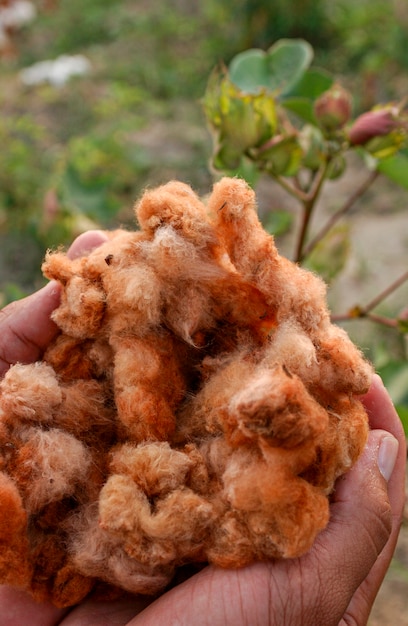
336,167
282,158
395,168
277,70
277,222
245,169
403,326
302,107
311,85
227,157
249,71
239,121
330,255
91,199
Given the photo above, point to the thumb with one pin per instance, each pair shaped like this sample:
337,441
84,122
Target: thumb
26,328
25,325
352,552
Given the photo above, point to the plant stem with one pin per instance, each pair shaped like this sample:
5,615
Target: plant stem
358,312
291,189
386,292
379,319
309,202
360,191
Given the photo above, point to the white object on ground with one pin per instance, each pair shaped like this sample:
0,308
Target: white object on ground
56,72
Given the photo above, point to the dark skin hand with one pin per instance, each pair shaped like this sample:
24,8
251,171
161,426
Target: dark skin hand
26,328
334,584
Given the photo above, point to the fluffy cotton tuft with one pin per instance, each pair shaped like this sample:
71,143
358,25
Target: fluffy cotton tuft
197,406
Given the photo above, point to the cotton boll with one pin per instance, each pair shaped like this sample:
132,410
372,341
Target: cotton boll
95,552
85,413
341,444
232,206
155,467
149,384
133,299
15,568
275,406
296,293
29,393
302,296
82,300
51,464
70,587
181,516
55,71
167,532
119,503
69,357
197,406
176,205
341,365
293,348
82,309
305,507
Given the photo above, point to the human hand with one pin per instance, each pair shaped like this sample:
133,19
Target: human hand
334,584
25,325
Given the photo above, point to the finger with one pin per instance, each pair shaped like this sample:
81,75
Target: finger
380,409
109,613
17,608
353,549
25,325
382,413
86,242
26,328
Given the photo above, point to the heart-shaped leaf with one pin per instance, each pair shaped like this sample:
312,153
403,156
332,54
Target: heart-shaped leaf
301,107
277,70
311,85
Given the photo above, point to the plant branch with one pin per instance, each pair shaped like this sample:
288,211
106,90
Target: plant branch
360,191
295,192
309,203
358,312
384,294
379,319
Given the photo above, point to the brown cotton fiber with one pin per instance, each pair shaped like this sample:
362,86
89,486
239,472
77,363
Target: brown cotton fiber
197,406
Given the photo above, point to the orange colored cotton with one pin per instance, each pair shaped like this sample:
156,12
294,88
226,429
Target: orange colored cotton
197,406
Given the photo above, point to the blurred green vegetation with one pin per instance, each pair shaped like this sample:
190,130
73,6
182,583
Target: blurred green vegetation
80,144
78,155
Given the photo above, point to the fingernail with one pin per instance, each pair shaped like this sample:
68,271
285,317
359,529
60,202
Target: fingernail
387,456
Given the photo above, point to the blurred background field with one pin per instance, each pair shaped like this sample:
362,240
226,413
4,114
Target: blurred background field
77,151
118,106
